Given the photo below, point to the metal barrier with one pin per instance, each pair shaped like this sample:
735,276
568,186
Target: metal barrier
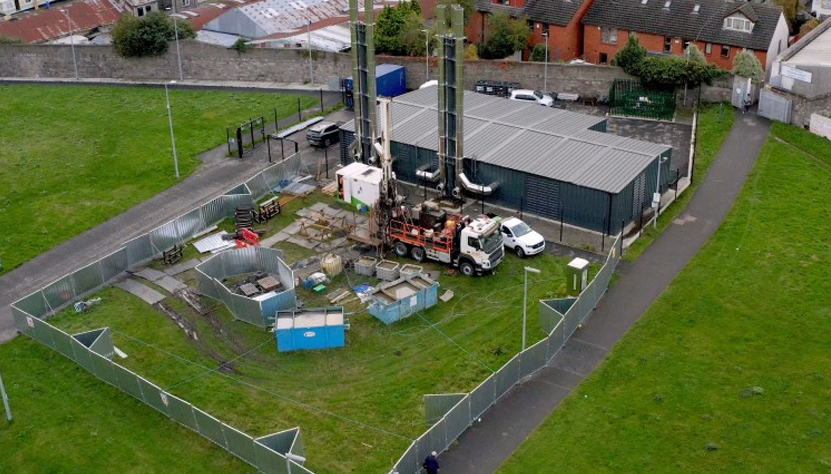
93,350
629,98
559,318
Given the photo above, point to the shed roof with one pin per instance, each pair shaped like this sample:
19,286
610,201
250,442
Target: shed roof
50,23
548,142
681,19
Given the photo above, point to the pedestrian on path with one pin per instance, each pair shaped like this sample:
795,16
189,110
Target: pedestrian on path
746,103
431,464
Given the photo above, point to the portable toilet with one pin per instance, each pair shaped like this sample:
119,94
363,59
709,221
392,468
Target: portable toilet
318,328
577,276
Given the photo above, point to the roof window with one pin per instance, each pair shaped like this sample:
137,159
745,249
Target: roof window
696,8
667,4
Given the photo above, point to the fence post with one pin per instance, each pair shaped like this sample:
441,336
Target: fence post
5,400
321,100
326,158
521,206
228,139
561,222
251,126
268,145
299,118
276,124
239,142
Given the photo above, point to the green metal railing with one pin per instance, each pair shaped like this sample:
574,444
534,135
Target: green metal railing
629,98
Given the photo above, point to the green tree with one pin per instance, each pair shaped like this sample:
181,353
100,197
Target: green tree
471,52
390,25
746,64
413,36
630,56
505,36
695,55
148,35
538,53
670,71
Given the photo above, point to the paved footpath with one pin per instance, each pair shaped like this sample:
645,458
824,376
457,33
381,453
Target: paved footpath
483,448
215,176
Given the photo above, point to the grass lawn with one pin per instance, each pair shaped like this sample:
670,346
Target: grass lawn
729,371
358,407
714,124
75,156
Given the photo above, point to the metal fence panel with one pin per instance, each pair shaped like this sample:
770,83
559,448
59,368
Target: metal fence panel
248,310
104,369
152,395
483,396
238,261
297,468
189,224
163,238
436,406
269,461
113,264
42,333
422,449
103,344
230,203
507,376
139,250
128,381
63,343
408,462
23,322
534,358
33,304
240,444
556,340
59,292
774,106
257,186
83,356
87,279
206,285
181,411
437,436
458,419
212,212
210,427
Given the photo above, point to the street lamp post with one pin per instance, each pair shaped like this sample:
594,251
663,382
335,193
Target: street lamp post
176,37
657,196
525,303
545,70
309,41
5,400
72,42
170,121
426,54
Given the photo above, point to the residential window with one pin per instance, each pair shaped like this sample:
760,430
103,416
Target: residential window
667,44
725,51
708,48
604,58
608,35
738,23
185,3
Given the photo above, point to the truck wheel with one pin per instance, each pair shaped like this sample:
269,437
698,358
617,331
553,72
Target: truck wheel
400,249
519,252
467,268
417,253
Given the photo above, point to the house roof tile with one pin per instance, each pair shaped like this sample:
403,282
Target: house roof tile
51,23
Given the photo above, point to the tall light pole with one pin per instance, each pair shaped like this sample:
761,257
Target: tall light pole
426,54
5,400
176,36
525,303
72,42
170,121
545,70
309,41
657,196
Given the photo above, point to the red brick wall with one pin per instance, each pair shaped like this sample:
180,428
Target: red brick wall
593,47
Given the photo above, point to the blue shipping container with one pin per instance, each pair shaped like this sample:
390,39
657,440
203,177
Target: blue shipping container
390,80
310,329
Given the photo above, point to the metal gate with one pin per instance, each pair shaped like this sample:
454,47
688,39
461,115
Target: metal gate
542,196
774,106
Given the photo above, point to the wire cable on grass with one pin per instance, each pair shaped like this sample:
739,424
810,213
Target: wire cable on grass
270,340
261,389
480,361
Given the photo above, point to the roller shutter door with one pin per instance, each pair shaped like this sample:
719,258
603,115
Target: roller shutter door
542,196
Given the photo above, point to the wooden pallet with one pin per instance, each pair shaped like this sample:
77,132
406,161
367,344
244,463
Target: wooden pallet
286,198
330,188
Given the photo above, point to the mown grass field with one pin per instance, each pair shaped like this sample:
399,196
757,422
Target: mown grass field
358,407
729,371
76,156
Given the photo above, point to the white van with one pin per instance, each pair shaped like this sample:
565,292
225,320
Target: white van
528,95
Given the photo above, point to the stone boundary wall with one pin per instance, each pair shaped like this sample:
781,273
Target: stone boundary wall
206,62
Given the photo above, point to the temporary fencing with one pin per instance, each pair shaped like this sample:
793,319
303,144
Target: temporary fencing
449,415
93,350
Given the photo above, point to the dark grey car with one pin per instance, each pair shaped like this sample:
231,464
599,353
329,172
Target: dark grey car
323,134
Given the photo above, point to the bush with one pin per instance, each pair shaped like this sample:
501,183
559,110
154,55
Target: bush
630,56
538,53
241,46
10,40
507,35
148,35
747,64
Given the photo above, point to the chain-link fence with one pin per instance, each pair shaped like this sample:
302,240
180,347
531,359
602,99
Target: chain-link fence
629,98
451,414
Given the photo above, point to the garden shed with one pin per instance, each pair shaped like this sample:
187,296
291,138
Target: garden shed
546,161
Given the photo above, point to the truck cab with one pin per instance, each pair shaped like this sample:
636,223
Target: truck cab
480,246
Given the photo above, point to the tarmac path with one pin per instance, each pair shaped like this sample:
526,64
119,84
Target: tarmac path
489,443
